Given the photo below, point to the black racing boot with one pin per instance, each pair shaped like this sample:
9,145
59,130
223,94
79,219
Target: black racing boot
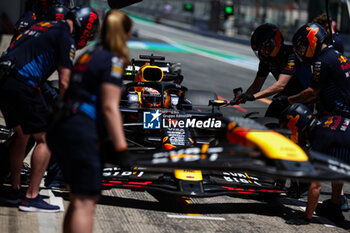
330,210
344,203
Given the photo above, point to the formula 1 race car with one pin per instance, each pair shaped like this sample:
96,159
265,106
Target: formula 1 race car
165,124
250,159
193,182
159,113
182,144
156,97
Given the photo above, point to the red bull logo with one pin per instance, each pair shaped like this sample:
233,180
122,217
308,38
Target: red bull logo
312,41
82,64
345,66
292,125
342,59
45,24
328,122
42,26
290,66
84,59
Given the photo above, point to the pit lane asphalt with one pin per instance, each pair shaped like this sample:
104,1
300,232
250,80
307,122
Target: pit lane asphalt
128,211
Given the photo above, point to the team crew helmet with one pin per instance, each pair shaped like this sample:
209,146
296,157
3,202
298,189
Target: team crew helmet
86,23
56,13
266,41
307,42
296,117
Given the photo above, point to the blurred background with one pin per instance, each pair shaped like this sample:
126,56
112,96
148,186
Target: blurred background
235,19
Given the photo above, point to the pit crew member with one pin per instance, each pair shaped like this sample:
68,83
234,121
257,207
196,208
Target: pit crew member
329,135
31,60
278,58
93,100
338,45
337,42
330,83
36,14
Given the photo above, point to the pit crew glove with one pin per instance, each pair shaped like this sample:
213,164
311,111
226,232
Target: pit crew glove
244,97
281,100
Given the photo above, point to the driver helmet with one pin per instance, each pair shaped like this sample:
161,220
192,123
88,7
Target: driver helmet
266,41
56,13
307,42
86,23
296,117
150,98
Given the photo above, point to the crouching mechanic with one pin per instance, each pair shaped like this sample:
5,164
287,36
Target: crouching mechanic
52,13
43,47
278,58
36,14
328,135
92,110
330,84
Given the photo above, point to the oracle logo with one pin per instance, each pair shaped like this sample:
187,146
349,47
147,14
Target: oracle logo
86,34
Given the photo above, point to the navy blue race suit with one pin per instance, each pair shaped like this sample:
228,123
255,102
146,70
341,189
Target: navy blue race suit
331,77
79,156
35,54
286,63
331,135
338,43
28,19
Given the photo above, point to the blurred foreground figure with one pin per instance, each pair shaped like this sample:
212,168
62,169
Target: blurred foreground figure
45,47
91,112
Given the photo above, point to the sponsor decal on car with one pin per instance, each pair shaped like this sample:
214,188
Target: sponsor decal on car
116,172
186,155
241,178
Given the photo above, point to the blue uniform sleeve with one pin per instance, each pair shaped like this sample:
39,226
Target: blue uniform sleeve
66,51
114,71
263,70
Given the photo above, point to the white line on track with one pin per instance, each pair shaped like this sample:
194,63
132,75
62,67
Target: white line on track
196,217
201,53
